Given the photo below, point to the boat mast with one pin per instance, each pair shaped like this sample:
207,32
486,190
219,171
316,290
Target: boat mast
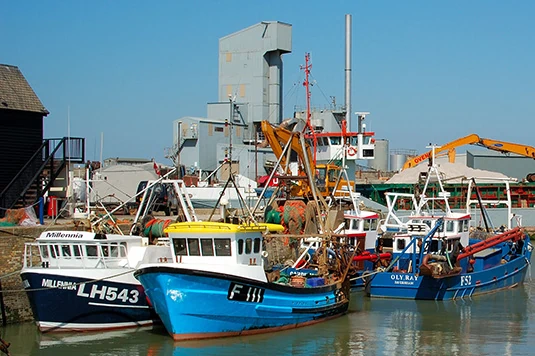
308,125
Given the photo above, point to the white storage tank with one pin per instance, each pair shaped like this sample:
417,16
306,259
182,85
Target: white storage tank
399,157
380,161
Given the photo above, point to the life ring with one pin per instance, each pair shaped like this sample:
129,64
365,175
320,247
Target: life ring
351,151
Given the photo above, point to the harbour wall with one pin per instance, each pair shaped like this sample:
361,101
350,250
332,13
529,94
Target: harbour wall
14,303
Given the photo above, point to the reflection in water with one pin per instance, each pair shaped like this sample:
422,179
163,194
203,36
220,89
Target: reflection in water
443,327
327,338
497,324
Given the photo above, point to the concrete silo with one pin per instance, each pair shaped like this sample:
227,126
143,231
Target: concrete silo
380,161
398,158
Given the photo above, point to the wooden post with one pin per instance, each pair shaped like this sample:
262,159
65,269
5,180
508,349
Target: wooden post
2,306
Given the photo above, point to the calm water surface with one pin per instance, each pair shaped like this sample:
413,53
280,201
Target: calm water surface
502,323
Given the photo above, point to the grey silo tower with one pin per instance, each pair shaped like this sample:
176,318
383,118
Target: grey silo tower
250,68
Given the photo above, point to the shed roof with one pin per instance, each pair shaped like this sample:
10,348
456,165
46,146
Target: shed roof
451,173
16,93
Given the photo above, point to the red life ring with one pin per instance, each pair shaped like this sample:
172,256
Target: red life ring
351,151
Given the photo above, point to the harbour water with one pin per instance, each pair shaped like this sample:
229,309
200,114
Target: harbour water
502,323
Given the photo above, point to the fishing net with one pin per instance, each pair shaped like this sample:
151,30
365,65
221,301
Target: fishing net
155,228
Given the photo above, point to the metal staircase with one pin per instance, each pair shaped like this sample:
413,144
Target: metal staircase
43,171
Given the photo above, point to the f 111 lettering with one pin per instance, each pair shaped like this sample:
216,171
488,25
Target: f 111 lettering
244,293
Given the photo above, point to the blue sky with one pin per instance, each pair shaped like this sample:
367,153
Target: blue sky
428,71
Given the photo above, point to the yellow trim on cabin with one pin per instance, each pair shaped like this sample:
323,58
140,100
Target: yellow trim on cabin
219,227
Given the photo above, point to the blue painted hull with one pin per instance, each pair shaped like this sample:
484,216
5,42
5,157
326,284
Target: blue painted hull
64,303
412,286
198,305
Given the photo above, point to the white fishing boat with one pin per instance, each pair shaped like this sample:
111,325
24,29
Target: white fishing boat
78,280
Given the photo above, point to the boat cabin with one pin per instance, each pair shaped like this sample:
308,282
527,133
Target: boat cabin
218,243
455,229
329,145
82,249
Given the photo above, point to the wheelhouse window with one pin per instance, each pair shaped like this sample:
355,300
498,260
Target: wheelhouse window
450,226
400,244
77,250
44,251
193,247
91,251
248,245
222,247
336,140
207,247
180,247
240,246
66,251
55,251
373,224
256,245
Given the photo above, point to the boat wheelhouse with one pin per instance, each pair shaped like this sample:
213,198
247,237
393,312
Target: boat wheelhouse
331,145
78,280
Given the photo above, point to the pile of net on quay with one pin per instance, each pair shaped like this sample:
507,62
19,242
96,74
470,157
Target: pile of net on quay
20,217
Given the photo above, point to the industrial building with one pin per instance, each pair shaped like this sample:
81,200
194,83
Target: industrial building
250,90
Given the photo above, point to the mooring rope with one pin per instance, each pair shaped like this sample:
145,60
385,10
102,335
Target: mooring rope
10,274
366,275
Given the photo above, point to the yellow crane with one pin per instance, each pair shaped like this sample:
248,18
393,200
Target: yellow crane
473,139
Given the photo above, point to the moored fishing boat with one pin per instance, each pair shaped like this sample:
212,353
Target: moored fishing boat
214,284
83,280
445,270
77,280
434,256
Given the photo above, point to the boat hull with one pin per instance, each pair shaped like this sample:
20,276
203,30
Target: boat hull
80,302
464,285
196,304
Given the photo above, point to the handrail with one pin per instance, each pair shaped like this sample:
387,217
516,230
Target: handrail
64,149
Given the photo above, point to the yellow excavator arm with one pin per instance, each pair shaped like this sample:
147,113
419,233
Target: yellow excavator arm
448,148
326,174
473,139
277,137
508,147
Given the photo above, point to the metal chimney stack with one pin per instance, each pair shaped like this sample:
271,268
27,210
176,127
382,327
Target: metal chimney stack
348,72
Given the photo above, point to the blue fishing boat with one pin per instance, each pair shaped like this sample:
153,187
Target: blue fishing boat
446,270
212,282
439,254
